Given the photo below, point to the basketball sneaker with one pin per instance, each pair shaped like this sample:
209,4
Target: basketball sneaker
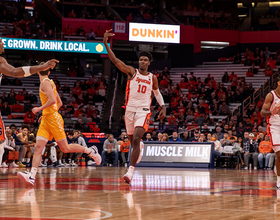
21,165
91,163
13,165
73,164
140,154
95,155
4,165
42,165
26,178
128,177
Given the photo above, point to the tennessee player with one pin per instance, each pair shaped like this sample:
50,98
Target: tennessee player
52,126
140,86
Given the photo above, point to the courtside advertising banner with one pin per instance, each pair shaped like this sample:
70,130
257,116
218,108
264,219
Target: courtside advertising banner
171,152
158,33
54,46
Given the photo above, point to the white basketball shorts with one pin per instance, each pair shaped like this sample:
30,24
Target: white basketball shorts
275,137
136,119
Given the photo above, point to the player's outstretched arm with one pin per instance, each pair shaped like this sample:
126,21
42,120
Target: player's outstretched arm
24,71
159,98
47,88
267,103
129,70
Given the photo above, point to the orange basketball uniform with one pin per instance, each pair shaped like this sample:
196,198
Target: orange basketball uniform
52,124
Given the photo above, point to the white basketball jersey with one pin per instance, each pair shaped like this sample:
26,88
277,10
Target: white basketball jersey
274,119
138,92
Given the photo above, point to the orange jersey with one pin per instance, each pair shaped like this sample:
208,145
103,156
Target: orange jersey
44,99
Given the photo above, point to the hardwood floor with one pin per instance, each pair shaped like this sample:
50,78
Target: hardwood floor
155,193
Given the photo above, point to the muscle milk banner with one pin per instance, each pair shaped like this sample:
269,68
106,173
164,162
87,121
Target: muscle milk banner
176,152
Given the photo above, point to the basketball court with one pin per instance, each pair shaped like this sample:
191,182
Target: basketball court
155,193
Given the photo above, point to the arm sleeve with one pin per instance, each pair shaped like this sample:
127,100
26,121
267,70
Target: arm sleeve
158,97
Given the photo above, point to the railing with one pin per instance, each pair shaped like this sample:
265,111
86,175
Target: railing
237,111
266,87
257,95
246,102
216,25
113,101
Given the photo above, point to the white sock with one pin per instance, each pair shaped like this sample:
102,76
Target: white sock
46,161
23,159
69,160
33,172
63,160
59,161
27,160
87,150
131,169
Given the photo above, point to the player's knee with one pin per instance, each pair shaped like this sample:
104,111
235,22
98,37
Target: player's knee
136,141
277,154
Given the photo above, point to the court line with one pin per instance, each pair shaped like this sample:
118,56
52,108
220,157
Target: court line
107,214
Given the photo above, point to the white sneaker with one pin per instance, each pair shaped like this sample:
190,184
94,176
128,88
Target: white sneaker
66,164
42,165
255,168
4,165
128,177
13,165
60,165
245,168
91,163
26,177
73,164
95,155
140,154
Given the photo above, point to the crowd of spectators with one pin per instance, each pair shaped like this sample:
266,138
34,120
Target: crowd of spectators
91,13
91,35
204,20
24,25
78,101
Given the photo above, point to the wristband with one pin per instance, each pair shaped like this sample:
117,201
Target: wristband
26,70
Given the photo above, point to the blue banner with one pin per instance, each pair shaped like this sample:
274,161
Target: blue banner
54,45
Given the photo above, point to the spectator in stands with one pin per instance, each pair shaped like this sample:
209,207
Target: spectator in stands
238,151
268,71
90,35
76,91
72,14
175,137
80,125
29,119
101,16
69,30
147,16
161,126
250,150
17,108
207,79
68,122
99,31
129,18
110,148
159,136
200,119
18,33
219,133
225,78
20,96
16,82
50,34
164,82
40,34
149,137
237,59
138,18
125,150
271,62
183,84
71,71
224,109
84,11
27,33
232,75
249,73
65,88
266,52
79,111
265,151
202,138
6,30
110,16
81,31
185,136
5,110
154,135
33,98
165,71
165,137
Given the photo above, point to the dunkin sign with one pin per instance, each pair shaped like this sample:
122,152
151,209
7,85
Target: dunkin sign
158,33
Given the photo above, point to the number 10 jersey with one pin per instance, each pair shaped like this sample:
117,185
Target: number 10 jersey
139,90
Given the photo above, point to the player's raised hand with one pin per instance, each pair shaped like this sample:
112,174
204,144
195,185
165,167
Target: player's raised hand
107,34
50,64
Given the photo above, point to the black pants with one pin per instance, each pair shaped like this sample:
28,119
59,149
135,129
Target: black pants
5,155
239,156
